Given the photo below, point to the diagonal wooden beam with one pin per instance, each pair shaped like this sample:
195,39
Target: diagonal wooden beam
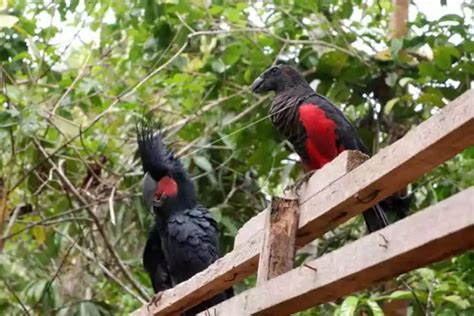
434,234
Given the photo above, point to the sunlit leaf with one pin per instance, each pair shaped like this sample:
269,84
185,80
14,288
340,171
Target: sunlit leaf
375,308
349,306
390,104
7,20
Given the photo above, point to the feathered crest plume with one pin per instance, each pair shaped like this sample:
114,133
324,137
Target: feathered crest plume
155,158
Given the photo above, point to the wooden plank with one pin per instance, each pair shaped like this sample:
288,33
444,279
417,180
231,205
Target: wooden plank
279,245
344,163
439,232
426,146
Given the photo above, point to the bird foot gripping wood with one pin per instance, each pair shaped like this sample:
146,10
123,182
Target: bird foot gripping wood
154,300
295,188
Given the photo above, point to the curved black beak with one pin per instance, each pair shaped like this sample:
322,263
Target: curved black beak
257,84
157,202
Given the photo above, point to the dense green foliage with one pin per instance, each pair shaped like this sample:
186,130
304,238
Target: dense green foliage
75,98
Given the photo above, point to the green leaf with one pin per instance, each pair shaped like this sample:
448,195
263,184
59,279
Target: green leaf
65,126
9,117
442,58
375,308
400,295
390,104
339,92
88,309
391,79
203,163
39,234
218,66
395,46
346,9
428,69
233,15
232,54
248,75
216,9
349,306
462,303
431,97
404,81
194,65
7,20
216,213
332,62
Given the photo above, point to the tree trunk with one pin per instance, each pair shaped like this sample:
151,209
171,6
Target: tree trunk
398,21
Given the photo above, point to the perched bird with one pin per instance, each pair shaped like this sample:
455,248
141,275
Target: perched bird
316,128
184,239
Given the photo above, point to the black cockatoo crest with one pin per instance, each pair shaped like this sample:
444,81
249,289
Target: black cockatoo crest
166,184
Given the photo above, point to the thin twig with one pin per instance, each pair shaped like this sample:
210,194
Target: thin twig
56,274
97,223
111,206
17,298
71,86
107,272
50,218
12,220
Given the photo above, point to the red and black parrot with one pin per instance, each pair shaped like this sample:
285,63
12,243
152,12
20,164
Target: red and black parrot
184,238
316,128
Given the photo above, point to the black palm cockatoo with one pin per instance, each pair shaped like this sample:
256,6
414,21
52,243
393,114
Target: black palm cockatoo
316,128
184,238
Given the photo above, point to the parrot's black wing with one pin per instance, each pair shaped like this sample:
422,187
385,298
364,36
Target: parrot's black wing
154,262
192,245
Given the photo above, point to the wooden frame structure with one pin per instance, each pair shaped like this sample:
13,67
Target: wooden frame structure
342,189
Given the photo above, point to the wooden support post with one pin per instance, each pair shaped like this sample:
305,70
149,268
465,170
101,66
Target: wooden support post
436,233
278,249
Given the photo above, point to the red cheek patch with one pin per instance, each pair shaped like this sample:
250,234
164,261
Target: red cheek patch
166,186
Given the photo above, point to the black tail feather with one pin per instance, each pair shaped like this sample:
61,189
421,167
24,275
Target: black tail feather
375,218
397,206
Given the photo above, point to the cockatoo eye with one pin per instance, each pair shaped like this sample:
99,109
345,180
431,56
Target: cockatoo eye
274,70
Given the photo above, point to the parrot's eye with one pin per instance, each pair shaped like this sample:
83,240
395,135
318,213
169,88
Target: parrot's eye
274,70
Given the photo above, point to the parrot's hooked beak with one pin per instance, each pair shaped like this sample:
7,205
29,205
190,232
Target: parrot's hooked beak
256,85
158,201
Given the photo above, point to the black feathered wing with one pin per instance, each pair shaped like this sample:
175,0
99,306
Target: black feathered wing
155,263
192,245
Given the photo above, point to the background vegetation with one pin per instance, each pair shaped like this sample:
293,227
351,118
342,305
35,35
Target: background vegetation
75,75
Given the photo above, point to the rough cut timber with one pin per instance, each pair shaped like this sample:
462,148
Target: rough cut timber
279,244
436,233
424,147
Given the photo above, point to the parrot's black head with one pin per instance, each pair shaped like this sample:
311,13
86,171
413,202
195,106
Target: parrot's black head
278,78
167,187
